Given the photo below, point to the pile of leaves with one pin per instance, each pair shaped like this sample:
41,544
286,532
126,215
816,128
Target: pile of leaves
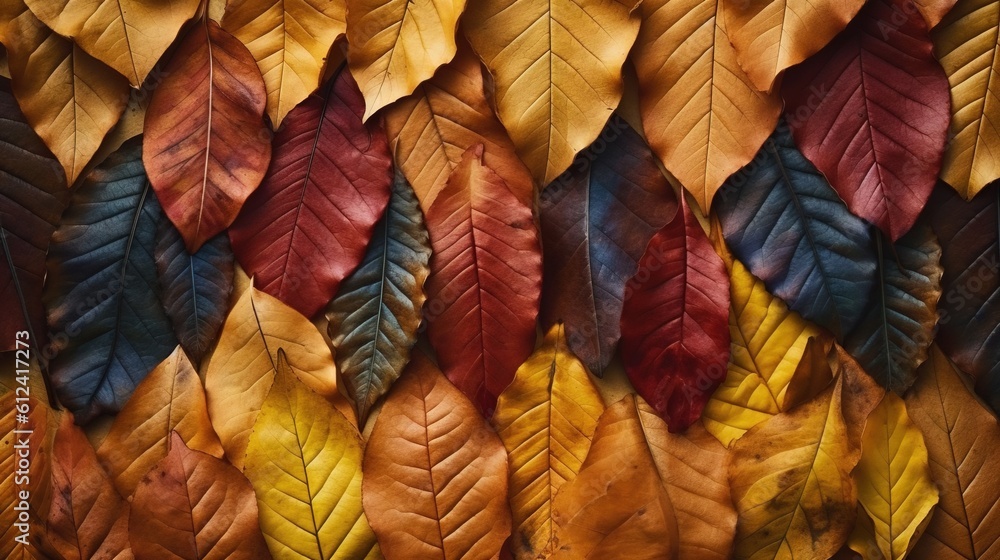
407,279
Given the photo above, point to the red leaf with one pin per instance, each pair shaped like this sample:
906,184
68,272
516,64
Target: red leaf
871,111
485,282
203,148
675,323
306,228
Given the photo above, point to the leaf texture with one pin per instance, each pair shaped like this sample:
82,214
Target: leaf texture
203,149
194,505
127,35
38,483
397,44
871,111
546,418
933,11
305,229
702,115
101,288
309,493
194,288
375,318
450,488
788,226
290,41
557,69
675,337
597,219
485,280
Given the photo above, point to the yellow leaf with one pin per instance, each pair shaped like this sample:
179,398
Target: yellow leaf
768,342
791,481
546,418
772,35
70,98
290,41
967,44
445,116
34,479
169,399
396,44
557,67
242,367
963,445
127,35
701,114
304,462
894,481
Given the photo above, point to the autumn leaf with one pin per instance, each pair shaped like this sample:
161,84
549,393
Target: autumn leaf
435,466
204,150
309,492
871,111
290,41
546,418
597,219
485,280
557,70
194,505
397,44
933,11
375,318
127,35
702,116
306,228
170,400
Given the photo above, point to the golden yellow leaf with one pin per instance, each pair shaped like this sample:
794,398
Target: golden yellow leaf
701,114
34,479
617,506
791,481
557,67
304,461
242,367
397,44
446,115
693,466
772,35
894,482
169,399
963,445
290,41
967,44
546,418
70,98
127,35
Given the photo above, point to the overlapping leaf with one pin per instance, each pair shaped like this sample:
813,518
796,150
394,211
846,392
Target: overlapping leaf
204,150
789,227
194,288
701,114
375,317
968,45
127,35
892,339
305,229
290,41
675,339
557,68
304,461
485,280
546,418
101,288
871,111
450,488
597,219
397,44
934,11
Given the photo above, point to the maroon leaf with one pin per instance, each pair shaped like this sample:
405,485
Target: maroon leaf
306,228
871,111
485,282
675,323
